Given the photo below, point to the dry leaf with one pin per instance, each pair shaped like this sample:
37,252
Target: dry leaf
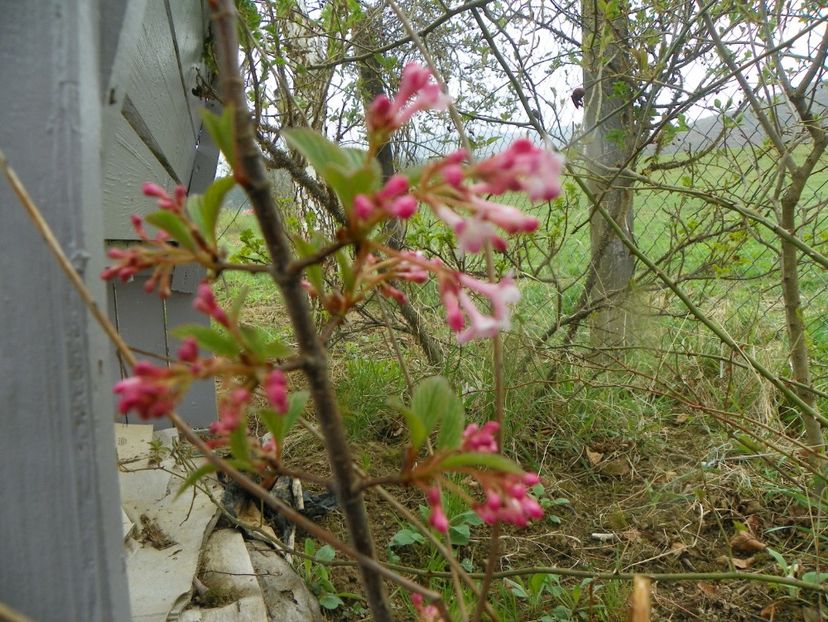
743,564
594,457
678,547
617,467
769,611
708,589
746,542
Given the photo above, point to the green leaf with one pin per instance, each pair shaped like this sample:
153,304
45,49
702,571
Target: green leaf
174,225
459,535
815,577
319,151
451,428
415,426
274,422
296,404
470,518
347,171
194,477
406,537
314,273
279,425
330,601
222,129
204,210
349,183
212,339
517,589
496,462
261,343
238,304
325,554
434,401
239,444
345,269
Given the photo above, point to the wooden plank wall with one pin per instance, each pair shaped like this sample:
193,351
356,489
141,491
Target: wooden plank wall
154,133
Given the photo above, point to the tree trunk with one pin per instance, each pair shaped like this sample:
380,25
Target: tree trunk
799,356
609,124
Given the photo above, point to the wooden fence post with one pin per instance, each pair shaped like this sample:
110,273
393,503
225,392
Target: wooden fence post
61,552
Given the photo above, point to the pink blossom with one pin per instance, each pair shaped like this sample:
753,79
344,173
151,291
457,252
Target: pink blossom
188,351
275,387
449,291
392,292
507,499
521,167
205,302
150,391
472,233
481,326
425,613
165,201
392,198
508,218
501,295
482,440
408,270
438,518
230,412
417,92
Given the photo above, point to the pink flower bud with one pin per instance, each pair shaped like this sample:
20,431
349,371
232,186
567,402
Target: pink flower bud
275,388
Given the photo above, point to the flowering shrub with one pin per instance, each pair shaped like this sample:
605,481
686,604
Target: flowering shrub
459,192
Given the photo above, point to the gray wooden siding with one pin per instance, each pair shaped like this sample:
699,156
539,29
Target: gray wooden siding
153,132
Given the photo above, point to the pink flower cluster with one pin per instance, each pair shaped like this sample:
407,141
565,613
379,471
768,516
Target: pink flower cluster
438,518
152,391
425,613
522,167
448,186
417,92
130,261
230,412
508,499
392,200
205,301
275,388
481,440
459,305
175,203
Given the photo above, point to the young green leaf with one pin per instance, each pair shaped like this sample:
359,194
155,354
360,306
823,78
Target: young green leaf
195,476
296,404
496,462
222,129
415,426
325,554
330,601
204,210
172,224
435,403
239,444
261,343
212,339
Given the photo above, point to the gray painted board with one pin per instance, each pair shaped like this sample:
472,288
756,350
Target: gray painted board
154,85
61,554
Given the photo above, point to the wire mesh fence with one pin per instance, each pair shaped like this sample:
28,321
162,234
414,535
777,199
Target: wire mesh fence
689,218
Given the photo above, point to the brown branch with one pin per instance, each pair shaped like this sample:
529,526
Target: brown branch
251,175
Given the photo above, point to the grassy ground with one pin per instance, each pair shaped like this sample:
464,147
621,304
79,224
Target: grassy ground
647,466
